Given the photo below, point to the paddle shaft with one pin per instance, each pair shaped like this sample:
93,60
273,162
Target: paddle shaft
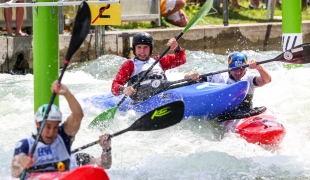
244,66
96,142
295,60
132,127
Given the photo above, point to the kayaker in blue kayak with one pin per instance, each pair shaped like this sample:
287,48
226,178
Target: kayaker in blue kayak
237,59
133,69
54,145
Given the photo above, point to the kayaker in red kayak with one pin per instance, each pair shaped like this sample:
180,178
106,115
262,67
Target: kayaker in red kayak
133,69
237,59
54,145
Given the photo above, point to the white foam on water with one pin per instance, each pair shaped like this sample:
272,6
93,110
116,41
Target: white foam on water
190,149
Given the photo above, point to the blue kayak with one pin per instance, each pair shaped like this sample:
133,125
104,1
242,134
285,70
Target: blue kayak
200,99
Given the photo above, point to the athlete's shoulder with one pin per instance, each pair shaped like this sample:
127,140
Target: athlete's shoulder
128,63
21,146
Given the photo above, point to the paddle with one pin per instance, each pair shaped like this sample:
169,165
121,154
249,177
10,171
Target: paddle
80,30
298,55
109,114
159,118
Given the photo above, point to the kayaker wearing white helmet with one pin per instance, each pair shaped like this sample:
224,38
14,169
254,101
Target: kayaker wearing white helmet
237,59
54,145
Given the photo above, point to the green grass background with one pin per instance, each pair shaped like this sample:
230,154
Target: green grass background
236,16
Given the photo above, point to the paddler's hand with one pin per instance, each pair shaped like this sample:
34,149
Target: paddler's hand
193,76
129,91
253,65
59,88
26,162
19,163
105,141
172,43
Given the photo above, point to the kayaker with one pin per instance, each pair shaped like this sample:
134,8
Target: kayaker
105,161
237,59
54,145
133,69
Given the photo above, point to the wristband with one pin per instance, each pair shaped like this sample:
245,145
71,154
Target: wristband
107,150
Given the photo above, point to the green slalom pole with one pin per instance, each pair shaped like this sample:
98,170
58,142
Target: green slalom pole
291,26
45,52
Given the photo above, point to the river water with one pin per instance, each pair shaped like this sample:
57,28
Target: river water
192,149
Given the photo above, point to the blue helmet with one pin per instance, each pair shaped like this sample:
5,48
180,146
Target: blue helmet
237,59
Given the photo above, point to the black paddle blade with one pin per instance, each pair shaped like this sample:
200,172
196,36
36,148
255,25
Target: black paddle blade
80,29
159,118
297,55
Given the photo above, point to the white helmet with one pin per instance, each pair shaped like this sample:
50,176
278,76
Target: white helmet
54,114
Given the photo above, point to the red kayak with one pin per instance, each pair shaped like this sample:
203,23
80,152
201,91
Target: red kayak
91,172
263,129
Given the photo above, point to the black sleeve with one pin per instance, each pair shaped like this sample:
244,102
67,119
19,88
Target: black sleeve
177,49
254,81
204,78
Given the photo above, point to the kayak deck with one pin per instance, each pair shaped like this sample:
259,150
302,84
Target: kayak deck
92,172
262,129
200,99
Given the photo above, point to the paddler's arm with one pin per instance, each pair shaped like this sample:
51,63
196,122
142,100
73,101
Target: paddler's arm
170,61
20,162
105,161
264,77
121,78
73,122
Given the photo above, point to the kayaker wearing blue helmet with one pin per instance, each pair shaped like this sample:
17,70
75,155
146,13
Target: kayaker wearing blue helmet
55,140
237,59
